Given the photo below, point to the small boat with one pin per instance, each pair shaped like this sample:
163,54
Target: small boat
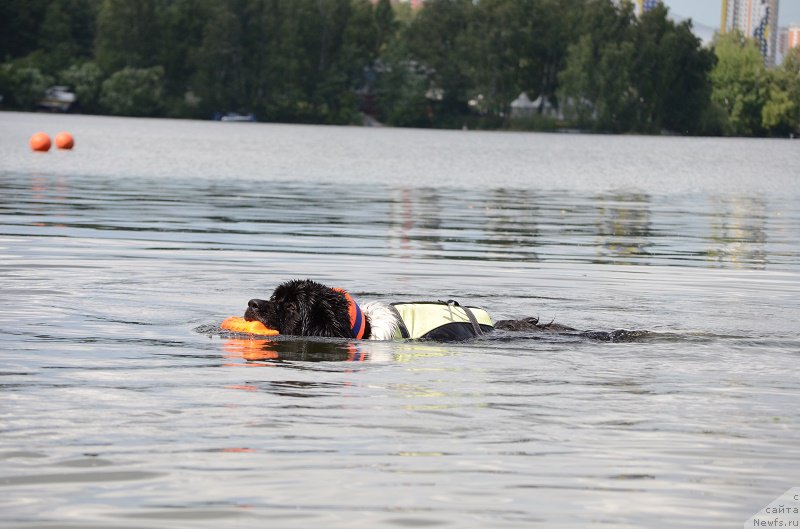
57,99
236,117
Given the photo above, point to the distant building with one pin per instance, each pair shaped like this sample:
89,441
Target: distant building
783,41
793,37
788,38
646,5
641,6
754,18
523,107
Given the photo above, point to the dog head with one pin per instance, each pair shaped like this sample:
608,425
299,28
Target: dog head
303,308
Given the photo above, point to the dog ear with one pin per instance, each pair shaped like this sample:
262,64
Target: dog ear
330,315
317,309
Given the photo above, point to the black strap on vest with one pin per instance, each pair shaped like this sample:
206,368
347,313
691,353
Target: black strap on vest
475,326
403,329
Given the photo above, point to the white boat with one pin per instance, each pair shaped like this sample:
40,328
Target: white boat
57,99
234,116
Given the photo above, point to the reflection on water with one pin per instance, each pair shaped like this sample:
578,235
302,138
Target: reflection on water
258,352
494,224
738,225
624,230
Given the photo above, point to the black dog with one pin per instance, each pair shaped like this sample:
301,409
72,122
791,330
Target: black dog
308,308
305,308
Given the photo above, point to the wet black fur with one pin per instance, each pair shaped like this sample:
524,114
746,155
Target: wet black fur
304,308
533,325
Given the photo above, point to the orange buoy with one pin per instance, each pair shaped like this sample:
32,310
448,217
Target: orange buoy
236,324
40,142
64,140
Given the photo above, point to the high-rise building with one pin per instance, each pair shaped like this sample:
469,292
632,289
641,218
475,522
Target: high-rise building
793,37
754,18
788,38
783,44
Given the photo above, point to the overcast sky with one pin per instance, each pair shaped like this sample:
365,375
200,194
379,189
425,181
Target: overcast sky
708,12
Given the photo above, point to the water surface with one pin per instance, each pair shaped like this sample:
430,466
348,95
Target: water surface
122,406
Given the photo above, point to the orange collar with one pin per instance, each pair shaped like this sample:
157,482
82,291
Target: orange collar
357,320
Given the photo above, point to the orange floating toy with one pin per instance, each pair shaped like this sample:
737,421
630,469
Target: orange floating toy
64,140
236,324
40,142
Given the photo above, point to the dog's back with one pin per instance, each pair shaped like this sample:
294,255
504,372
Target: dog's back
441,320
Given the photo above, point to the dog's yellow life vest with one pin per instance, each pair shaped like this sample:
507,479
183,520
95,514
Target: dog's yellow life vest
440,319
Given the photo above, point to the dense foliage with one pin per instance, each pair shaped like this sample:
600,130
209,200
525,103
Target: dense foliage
590,64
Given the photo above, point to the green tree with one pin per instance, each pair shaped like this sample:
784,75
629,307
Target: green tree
437,40
504,56
578,91
686,90
26,84
555,30
401,88
740,83
627,74
597,84
671,72
781,111
20,21
134,92
617,94
182,23
219,75
364,36
385,24
287,60
128,34
85,80
317,60
55,36
66,33
345,50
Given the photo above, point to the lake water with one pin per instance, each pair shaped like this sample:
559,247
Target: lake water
121,405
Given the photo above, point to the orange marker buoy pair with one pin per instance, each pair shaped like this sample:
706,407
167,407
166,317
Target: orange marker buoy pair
41,142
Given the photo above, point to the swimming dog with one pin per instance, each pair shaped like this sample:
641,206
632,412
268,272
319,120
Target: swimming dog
303,307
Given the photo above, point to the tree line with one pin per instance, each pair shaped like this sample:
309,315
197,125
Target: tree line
589,64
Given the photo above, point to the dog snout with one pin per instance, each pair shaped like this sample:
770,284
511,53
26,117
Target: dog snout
256,304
